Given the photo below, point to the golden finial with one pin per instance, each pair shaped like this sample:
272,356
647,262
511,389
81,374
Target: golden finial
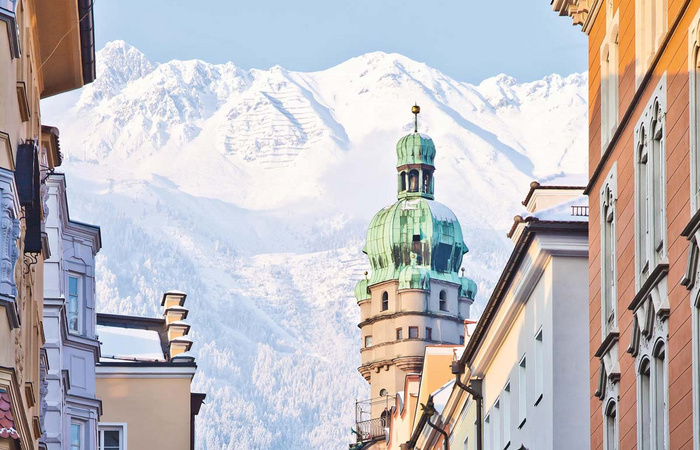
366,273
415,109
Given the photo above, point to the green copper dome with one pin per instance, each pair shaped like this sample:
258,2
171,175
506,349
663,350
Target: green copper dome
415,148
413,241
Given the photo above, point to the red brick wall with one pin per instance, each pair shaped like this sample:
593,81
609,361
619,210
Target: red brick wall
673,62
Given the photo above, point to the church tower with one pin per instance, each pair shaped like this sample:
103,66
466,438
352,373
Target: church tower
414,296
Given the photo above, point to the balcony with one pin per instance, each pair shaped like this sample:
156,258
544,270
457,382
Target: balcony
372,418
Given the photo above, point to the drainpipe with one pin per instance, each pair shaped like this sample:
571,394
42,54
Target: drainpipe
430,410
473,389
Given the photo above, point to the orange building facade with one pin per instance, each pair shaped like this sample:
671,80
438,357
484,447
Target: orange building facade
644,225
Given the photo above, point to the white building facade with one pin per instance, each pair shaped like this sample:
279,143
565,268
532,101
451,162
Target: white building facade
72,408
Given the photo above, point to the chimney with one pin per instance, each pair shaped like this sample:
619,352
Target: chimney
177,329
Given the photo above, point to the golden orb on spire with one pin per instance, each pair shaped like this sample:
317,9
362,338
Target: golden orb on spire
415,109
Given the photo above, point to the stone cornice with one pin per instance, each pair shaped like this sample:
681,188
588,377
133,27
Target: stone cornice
380,318
582,12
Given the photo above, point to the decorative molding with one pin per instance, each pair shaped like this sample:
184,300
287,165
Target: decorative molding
380,318
582,12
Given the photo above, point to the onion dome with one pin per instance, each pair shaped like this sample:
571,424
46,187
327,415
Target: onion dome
415,148
416,239
362,291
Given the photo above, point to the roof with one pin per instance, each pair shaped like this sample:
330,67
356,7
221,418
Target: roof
415,148
7,421
535,185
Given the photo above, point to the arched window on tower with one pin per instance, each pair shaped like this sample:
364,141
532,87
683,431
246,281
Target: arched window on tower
413,181
443,300
426,182
385,301
403,181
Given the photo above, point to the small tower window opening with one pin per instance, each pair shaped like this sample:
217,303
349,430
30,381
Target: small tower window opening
413,332
383,392
426,182
415,246
399,334
385,301
403,181
413,181
368,341
443,300
461,339
429,333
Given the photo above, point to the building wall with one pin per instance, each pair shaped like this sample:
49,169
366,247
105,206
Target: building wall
674,64
156,410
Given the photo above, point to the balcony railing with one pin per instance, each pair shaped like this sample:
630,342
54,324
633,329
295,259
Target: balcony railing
371,429
579,211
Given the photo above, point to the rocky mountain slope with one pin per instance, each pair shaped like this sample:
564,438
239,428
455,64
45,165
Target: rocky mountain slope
251,190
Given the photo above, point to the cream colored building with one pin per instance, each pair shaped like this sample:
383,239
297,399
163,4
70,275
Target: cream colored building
528,351
45,48
144,380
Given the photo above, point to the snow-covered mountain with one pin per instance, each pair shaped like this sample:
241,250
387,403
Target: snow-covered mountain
252,190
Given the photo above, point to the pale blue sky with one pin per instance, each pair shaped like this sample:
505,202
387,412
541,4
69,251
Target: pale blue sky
467,39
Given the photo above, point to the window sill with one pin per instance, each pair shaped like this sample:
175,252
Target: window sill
522,424
539,399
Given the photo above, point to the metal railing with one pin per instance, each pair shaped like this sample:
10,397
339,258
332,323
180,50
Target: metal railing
579,211
372,428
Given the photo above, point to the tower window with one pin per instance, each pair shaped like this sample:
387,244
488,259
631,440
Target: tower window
413,332
461,340
428,333
368,341
426,182
385,301
403,181
413,181
399,334
443,300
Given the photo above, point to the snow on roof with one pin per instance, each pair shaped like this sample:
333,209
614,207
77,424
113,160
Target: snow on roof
184,339
563,211
175,292
184,355
180,323
177,308
442,395
129,343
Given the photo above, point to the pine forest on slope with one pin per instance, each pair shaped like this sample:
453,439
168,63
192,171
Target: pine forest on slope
252,191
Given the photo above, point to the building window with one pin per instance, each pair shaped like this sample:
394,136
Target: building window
368,341
659,398
413,181
651,24
610,438
428,334
399,334
487,432
539,367
385,301
608,260
76,436
522,391
609,83
413,332
74,303
112,437
496,424
650,192
506,405
443,300
461,339
644,401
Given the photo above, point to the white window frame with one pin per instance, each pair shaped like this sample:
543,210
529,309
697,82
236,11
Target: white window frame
609,81
522,391
368,341
614,445
650,186
81,434
487,432
539,366
608,255
80,302
112,426
506,404
651,24
694,111
496,424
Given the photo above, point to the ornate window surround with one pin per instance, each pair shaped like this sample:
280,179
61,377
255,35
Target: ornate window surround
9,252
652,124
651,25
609,81
608,275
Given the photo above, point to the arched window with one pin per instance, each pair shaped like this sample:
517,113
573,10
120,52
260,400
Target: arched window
659,397
413,181
426,182
385,301
644,405
443,300
611,426
403,181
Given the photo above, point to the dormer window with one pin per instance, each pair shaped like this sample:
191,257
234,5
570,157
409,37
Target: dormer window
443,300
385,301
74,303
